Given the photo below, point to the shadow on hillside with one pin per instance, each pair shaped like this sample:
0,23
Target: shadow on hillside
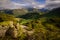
33,15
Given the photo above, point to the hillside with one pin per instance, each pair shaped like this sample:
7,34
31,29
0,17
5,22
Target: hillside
30,25
6,17
32,15
53,13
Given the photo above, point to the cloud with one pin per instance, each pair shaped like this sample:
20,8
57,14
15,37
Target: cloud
4,3
9,4
50,4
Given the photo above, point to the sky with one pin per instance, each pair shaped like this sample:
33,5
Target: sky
17,4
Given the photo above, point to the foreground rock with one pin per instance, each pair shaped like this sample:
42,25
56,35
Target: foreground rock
3,31
14,30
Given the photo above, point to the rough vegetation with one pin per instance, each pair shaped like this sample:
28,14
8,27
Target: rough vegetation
30,26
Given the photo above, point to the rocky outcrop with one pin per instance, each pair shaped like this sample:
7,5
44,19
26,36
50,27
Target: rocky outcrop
3,30
14,30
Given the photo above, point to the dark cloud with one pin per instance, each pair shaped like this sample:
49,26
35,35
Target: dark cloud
50,4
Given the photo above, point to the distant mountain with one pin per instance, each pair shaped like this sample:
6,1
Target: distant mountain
53,13
14,11
23,11
30,9
40,10
43,10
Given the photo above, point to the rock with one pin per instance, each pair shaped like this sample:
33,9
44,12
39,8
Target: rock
12,32
22,26
17,25
30,32
3,31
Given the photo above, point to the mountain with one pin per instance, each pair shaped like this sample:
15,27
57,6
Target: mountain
32,15
35,9
15,12
43,10
53,13
22,11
